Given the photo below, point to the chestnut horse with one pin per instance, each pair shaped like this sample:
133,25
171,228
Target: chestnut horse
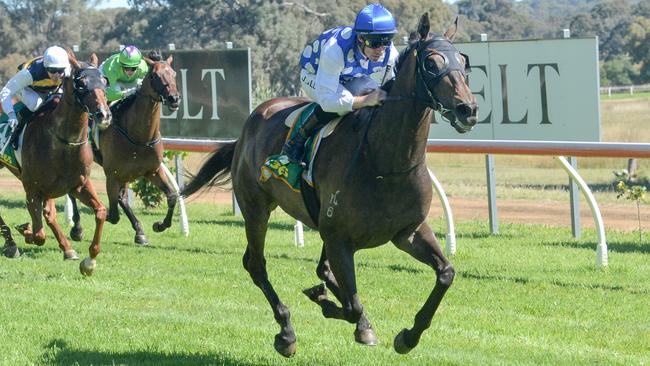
56,160
131,147
371,181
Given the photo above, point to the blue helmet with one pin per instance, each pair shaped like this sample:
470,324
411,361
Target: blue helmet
374,19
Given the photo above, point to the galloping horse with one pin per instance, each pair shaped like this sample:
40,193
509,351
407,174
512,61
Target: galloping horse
131,147
371,180
56,159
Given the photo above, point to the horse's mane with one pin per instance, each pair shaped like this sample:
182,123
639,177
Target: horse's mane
122,106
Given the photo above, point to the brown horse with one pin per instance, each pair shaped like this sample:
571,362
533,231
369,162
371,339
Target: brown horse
370,178
131,147
56,159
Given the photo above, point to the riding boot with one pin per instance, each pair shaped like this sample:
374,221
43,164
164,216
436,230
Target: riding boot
23,116
294,148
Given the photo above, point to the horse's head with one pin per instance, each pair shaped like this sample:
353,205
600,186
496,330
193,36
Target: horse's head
442,77
88,87
163,80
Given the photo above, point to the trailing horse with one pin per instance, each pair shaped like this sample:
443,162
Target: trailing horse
131,147
56,160
370,178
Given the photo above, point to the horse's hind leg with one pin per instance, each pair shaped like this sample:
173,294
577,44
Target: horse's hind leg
88,197
49,213
160,180
256,220
363,333
423,246
77,232
10,249
140,238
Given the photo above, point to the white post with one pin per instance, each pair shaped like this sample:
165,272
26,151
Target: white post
68,210
450,244
601,250
566,33
299,236
185,228
75,47
229,45
171,46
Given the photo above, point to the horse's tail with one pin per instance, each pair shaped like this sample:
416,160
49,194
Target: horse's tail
215,171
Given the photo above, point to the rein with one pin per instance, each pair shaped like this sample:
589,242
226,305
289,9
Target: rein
149,144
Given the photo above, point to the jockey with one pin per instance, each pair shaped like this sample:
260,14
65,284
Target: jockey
336,57
36,80
125,71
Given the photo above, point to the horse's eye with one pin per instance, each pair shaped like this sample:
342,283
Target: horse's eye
431,65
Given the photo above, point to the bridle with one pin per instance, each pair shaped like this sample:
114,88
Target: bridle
162,93
83,81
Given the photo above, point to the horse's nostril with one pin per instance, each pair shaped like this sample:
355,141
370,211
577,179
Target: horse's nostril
464,110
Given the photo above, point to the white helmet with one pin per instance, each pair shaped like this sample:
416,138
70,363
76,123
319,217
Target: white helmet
55,56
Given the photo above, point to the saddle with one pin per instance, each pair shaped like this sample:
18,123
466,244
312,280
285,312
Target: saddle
279,167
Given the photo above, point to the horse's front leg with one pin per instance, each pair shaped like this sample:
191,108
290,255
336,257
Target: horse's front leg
88,197
160,180
49,213
139,238
10,249
363,333
34,234
76,232
423,246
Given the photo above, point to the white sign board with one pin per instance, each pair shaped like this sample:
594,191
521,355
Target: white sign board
545,90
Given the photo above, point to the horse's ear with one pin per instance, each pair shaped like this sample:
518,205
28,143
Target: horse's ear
169,60
450,33
93,59
73,59
423,26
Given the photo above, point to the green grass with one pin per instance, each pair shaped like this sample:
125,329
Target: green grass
530,295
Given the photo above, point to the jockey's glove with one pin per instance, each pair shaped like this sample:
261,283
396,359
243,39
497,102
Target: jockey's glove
12,122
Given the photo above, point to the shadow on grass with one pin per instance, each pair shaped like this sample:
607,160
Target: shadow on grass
526,281
612,246
57,352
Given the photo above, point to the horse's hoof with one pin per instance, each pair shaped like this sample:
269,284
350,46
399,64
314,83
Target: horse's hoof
366,337
400,343
316,293
141,239
11,251
159,227
70,255
285,349
77,234
23,227
87,266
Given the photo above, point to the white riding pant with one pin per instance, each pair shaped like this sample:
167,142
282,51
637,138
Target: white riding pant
33,100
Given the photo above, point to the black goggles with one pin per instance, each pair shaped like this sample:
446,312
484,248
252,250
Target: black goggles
373,41
129,68
55,70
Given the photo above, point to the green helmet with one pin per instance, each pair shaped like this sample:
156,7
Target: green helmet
130,56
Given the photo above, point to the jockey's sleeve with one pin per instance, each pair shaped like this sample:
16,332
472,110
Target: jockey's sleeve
330,95
18,82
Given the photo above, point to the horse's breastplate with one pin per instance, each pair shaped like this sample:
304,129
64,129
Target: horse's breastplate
355,64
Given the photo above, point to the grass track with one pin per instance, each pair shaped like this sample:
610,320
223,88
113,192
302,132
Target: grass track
529,295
